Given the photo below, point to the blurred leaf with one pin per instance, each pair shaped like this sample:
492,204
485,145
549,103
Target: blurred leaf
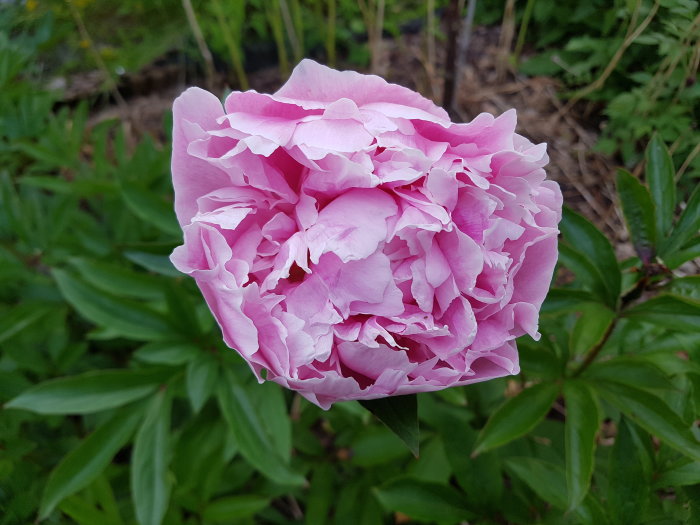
423,500
127,318
635,371
688,252
155,263
85,462
170,353
277,422
580,429
588,240
590,328
688,287
537,360
546,479
400,414
561,300
628,476
89,392
516,417
201,379
668,311
118,280
639,214
687,226
150,486
685,473
585,271
321,494
83,512
653,415
255,445
151,208
228,509
660,176
21,317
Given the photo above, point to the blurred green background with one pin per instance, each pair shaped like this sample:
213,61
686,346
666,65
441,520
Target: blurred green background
121,403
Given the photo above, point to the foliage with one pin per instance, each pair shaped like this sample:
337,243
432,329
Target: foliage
122,405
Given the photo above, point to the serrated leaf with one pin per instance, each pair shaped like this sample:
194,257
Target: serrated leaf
150,487
245,425
687,226
127,318
400,414
580,429
201,379
653,415
89,392
668,311
423,500
660,176
85,462
516,417
593,245
590,328
638,210
628,476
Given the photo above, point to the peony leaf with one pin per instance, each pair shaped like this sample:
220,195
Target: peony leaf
687,226
245,425
660,176
653,415
400,414
596,249
516,417
668,311
628,476
590,328
201,378
89,392
228,509
150,486
129,319
638,210
85,462
580,429
423,500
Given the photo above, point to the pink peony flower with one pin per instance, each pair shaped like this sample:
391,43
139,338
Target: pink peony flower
353,243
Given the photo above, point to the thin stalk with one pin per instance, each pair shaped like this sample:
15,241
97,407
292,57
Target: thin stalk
232,43
273,16
430,34
330,33
529,7
291,30
595,350
201,44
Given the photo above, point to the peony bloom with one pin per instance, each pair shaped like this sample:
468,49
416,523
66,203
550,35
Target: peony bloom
353,243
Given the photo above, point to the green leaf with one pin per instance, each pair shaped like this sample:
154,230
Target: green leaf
546,479
639,214
423,500
668,311
150,486
85,463
89,392
171,353
150,208
634,371
561,300
321,494
688,287
21,317
127,318
516,417
688,252
400,414
653,415
660,176
593,245
228,509
580,429
628,476
679,475
153,262
687,226
201,379
585,271
119,281
590,328
245,425
277,423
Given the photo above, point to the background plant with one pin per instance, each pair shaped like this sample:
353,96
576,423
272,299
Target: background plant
122,405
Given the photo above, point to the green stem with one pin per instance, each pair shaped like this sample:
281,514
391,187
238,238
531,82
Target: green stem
595,350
